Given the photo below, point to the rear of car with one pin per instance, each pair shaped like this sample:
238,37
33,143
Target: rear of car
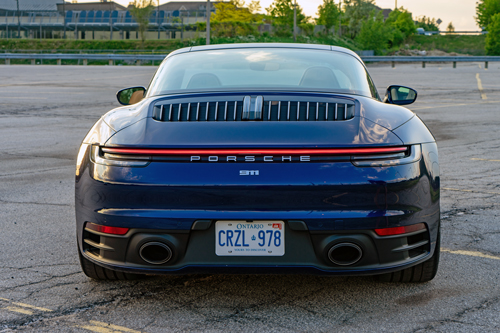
252,159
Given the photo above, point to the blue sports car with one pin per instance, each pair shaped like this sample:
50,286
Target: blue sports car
259,158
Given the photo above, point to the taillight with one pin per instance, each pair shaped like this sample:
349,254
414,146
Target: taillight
410,155
262,151
106,229
400,230
105,158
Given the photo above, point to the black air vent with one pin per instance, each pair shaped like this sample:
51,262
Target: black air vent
272,111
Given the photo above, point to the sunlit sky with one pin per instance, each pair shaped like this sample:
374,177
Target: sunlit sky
460,12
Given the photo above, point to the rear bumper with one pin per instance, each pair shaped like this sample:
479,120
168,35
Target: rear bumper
337,202
306,252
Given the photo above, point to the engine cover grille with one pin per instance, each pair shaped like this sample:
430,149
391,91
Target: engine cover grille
269,110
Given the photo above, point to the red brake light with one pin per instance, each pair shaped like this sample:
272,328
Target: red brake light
399,230
107,229
278,151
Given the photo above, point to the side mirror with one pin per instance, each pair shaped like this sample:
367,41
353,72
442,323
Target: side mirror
130,96
400,95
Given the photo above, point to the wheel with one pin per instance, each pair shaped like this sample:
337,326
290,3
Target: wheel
97,272
423,272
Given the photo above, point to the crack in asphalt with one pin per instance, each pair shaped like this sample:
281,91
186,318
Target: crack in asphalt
35,203
34,172
456,316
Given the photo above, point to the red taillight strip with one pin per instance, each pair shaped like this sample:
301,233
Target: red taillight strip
333,151
400,230
106,229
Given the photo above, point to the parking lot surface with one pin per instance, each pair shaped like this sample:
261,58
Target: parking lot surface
45,111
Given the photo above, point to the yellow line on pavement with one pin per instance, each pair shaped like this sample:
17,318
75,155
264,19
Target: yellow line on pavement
5,97
114,327
471,253
16,309
480,87
32,307
451,105
472,191
4,299
484,159
95,329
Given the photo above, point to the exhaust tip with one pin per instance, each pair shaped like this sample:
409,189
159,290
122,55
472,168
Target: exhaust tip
345,254
155,253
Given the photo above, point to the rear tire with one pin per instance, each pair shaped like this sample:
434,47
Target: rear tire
97,272
423,272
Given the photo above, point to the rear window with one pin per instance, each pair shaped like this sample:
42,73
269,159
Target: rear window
261,68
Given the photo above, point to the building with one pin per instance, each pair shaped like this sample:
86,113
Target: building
96,20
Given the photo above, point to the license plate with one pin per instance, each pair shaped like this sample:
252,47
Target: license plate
241,238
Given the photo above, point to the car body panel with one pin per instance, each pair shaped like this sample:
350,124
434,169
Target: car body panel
321,203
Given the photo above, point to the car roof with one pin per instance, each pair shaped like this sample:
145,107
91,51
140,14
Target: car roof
265,45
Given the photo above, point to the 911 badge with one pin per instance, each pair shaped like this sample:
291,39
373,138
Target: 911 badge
249,172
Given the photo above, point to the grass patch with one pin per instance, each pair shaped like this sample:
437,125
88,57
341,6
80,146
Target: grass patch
157,46
472,45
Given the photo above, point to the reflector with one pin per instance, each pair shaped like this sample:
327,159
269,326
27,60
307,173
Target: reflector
106,229
399,230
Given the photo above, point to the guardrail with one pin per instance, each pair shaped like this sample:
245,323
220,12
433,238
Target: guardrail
138,58
426,59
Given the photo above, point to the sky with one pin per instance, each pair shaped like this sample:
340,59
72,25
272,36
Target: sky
460,12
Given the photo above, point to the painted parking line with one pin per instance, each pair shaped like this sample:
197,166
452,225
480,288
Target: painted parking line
32,307
471,253
23,308
93,325
470,191
480,87
484,159
452,105
18,310
100,327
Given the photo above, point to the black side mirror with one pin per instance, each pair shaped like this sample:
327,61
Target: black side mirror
400,95
130,96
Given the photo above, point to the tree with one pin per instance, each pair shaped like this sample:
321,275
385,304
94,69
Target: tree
141,11
485,9
254,7
282,13
493,36
450,28
374,34
328,14
402,20
232,11
429,24
355,13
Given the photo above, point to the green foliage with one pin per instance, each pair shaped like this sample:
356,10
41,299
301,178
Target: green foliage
282,13
402,20
254,7
69,46
232,11
328,14
355,13
232,28
485,9
493,36
307,28
450,27
472,45
374,33
429,24
141,11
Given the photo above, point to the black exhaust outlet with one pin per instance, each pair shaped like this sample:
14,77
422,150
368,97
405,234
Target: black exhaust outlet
155,253
345,254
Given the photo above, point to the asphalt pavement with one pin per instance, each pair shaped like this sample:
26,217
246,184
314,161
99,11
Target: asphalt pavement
45,111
